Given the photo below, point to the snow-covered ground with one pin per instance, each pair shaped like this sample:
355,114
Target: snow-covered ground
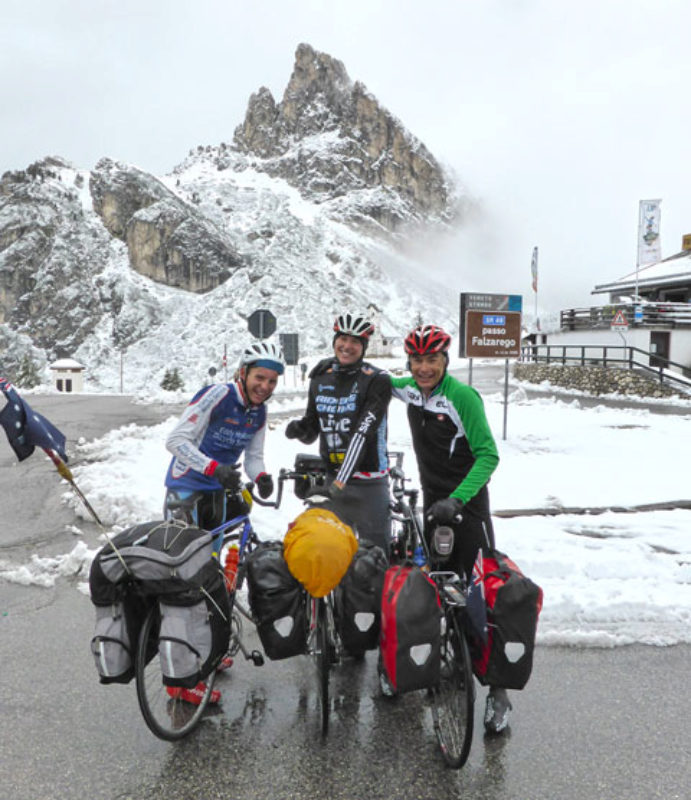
609,579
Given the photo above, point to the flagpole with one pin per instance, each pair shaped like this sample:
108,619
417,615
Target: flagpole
66,473
533,269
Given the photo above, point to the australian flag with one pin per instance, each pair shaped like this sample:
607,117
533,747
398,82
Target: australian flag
25,428
476,606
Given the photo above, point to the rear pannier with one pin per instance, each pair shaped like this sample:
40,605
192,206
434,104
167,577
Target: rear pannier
168,564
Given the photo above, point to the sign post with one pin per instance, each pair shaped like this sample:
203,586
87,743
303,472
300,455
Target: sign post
490,327
620,324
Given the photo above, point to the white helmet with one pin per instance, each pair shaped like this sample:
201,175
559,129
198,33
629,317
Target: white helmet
354,325
263,354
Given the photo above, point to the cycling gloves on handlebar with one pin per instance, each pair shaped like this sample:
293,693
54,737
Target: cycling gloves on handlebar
265,485
228,476
446,511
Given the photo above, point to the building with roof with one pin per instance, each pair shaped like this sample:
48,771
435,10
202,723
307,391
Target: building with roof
647,316
67,375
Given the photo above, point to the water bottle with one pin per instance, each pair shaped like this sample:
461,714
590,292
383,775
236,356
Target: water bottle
419,557
230,569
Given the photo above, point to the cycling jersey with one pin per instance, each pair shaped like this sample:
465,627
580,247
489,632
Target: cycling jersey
453,443
347,408
218,425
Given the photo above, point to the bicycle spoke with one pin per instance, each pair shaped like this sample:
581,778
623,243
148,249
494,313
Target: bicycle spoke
453,700
169,718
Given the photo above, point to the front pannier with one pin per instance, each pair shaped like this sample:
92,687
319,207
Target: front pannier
277,602
503,653
410,636
357,599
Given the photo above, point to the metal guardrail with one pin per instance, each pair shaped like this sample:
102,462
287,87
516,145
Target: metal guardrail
608,355
657,315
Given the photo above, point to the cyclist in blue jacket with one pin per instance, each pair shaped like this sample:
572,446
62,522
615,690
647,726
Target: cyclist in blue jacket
222,422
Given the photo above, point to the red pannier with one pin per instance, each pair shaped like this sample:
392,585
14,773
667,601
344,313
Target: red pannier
504,655
410,629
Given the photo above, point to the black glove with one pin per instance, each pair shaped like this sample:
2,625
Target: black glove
446,511
265,485
228,476
296,429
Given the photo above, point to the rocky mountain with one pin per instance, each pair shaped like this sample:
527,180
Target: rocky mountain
306,212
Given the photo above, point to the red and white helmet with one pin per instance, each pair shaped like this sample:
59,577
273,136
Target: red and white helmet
427,339
353,325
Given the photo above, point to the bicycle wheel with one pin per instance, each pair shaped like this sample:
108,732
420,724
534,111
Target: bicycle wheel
453,700
169,718
322,657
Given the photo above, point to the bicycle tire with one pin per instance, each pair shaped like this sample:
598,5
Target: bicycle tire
453,699
322,657
167,717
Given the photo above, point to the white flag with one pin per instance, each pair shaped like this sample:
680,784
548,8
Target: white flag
533,268
649,251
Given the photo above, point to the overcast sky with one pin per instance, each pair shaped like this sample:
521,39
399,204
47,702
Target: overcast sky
558,116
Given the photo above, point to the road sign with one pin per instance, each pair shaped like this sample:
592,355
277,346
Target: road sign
619,323
290,347
491,302
492,335
490,325
261,323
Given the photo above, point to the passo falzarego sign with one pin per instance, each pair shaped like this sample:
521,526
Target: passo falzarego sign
490,325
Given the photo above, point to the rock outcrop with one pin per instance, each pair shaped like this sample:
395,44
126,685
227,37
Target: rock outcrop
167,239
331,138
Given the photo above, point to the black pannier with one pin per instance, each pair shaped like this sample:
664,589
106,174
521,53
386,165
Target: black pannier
169,563
357,599
277,601
306,462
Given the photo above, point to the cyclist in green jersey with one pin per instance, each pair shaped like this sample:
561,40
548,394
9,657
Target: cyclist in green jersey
456,455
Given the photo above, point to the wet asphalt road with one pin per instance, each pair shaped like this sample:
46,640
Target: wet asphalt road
606,724
591,723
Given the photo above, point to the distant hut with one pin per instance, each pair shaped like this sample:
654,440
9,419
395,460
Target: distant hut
68,375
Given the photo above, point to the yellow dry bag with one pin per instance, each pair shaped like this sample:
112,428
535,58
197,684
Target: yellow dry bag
318,549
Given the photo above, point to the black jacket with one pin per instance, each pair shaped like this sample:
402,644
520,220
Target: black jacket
347,408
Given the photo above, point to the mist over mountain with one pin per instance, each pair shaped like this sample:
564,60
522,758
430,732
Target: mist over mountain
313,206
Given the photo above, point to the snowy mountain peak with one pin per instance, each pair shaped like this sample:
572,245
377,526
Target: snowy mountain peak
305,215
330,137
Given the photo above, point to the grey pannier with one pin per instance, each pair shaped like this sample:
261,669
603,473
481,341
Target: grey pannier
169,564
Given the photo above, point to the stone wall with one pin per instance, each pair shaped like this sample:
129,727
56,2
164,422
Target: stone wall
594,380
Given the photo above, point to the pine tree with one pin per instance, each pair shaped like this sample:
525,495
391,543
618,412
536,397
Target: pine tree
27,374
172,382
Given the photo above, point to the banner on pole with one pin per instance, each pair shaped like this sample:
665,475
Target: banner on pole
649,251
533,268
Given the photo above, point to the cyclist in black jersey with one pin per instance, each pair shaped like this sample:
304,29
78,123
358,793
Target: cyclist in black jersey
346,409
456,455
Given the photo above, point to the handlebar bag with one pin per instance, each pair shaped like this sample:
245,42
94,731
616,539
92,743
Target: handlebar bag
410,637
